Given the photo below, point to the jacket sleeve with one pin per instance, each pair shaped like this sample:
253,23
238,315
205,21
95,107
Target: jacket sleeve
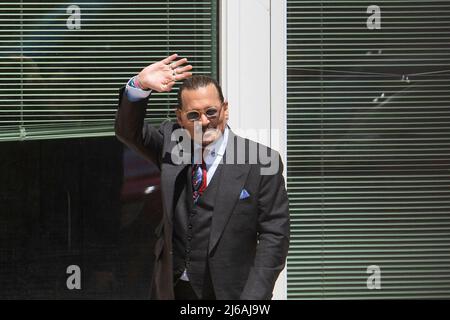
273,237
131,130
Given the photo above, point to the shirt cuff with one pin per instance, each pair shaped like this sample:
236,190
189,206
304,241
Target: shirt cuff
136,94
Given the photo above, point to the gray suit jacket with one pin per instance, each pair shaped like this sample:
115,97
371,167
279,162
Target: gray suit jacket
249,237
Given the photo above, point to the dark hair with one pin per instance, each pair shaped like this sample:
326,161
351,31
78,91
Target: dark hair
196,82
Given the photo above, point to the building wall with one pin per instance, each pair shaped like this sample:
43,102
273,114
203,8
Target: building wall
253,75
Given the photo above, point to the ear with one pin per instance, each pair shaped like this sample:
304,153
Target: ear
225,109
178,114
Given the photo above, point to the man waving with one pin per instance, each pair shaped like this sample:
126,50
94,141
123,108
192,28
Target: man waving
225,228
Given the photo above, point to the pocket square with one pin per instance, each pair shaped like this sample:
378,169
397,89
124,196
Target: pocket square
244,194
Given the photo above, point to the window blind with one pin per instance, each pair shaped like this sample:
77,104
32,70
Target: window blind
369,149
63,62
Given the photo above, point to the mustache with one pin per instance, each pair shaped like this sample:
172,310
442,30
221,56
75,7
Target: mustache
208,128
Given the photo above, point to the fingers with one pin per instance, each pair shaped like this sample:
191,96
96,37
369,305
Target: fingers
183,69
173,72
170,85
181,73
174,64
178,63
166,87
169,59
183,76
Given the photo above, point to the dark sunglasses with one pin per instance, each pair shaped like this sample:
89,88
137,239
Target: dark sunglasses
194,115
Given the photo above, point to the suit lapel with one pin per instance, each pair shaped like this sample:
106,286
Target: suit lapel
232,180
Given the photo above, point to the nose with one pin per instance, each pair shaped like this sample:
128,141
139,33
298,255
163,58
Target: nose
205,120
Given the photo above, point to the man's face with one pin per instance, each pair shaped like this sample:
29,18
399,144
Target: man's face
203,100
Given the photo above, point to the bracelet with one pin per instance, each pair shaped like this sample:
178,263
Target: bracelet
134,83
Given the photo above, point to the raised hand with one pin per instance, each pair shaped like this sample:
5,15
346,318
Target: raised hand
162,75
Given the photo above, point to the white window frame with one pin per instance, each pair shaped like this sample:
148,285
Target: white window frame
252,68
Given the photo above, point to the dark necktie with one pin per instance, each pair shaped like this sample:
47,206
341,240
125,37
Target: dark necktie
198,180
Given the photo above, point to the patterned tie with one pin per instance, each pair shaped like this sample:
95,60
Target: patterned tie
198,180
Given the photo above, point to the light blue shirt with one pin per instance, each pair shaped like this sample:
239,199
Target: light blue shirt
135,94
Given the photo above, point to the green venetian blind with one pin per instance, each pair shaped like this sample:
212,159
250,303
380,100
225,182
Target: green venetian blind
368,167
62,62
